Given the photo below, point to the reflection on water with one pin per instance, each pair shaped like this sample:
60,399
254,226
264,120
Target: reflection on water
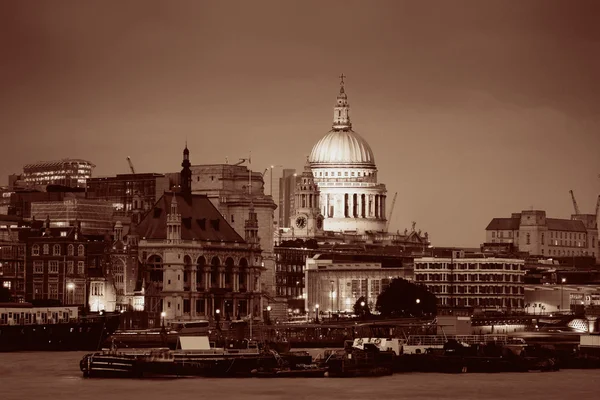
56,376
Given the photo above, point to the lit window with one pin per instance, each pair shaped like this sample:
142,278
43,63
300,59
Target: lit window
56,250
35,250
80,250
70,250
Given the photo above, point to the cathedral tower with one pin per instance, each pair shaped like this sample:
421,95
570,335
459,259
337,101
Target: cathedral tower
307,220
186,173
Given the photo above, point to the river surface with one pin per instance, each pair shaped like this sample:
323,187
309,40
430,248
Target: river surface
56,376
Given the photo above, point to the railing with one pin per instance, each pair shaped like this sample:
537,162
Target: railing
440,340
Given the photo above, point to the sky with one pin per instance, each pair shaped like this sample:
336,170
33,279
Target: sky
474,109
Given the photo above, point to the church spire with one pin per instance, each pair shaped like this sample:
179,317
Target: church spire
186,172
341,111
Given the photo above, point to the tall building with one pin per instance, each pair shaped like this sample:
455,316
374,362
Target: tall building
287,185
532,232
344,168
94,216
234,190
66,172
120,190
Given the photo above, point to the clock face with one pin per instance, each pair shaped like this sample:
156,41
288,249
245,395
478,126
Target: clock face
319,223
300,222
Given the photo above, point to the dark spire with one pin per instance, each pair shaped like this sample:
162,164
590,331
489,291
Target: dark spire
186,173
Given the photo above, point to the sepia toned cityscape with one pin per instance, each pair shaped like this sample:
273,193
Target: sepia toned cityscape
167,211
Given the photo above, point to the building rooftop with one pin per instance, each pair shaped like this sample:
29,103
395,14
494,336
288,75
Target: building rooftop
58,163
200,220
553,224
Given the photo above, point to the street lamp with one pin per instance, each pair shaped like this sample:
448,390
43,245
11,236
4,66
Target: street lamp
562,282
268,315
331,312
163,315
418,301
317,313
70,288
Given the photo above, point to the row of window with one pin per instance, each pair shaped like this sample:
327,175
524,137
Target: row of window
469,266
352,173
53,267
470,277
56,250
553,235
462,289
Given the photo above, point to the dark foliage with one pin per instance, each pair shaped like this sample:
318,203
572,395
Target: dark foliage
360,309
406,299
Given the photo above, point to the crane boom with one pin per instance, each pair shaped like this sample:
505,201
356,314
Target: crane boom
130,165
574,202
387,226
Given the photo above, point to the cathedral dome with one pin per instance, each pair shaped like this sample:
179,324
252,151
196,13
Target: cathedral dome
342,147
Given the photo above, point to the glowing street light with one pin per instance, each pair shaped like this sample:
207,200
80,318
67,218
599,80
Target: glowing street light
163,315
418,301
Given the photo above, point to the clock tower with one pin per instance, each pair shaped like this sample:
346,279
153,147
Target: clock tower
307,221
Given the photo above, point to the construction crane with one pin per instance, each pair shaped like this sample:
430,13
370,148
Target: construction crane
597,206
131,165
387,226
242,160
263,174
574,203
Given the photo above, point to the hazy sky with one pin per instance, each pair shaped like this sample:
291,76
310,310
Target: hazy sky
474,109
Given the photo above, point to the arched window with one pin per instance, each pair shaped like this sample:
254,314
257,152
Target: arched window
46,249
187,269
214,271
243,274
70,250
35,250
200,263
80,250
56,250
155,269
229,264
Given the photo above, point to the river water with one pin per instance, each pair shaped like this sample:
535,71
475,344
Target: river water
56,376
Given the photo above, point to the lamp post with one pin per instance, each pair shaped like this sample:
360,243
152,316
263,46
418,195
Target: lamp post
163,315
70,288
362,309
331,312
317,313
562,283
417,302
268,315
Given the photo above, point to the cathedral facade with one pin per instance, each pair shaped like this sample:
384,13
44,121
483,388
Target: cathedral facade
343,165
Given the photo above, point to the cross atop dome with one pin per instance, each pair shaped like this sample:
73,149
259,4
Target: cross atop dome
342,76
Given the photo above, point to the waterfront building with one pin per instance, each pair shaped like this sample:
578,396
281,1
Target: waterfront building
473,282
194,262
532,232
56,263
66,172
343,166
235,190
122,190
335,282
12,268
94,216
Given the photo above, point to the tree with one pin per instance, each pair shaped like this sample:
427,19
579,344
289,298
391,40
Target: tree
361,307
405,299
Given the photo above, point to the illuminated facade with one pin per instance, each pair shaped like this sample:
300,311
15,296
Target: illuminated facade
94,216
335,285
343,166
485,283
67,172
531,231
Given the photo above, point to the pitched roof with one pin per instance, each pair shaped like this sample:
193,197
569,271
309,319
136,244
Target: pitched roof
200,220
503,224
569,225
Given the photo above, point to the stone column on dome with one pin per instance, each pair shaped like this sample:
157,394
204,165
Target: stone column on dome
376,206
